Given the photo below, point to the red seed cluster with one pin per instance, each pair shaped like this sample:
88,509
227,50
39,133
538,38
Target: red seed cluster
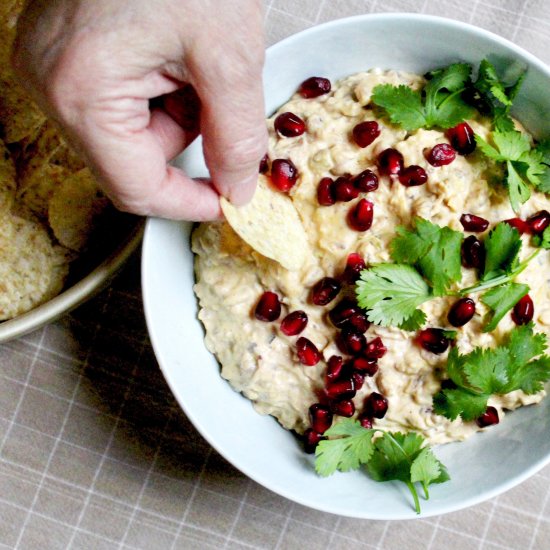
347,373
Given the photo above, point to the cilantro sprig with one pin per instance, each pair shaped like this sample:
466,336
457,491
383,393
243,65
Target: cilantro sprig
386,456
439,104
518,364
428,265
525,165
493,96
449,97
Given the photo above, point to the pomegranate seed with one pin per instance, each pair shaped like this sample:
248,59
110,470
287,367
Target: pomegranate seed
325,192
283,174
358,379
461,312
376,405
294,323
345,190
375,349
342,312
365,421
325,290
320,418
462,138
366,181
434,340
473,252
539,222
488,418
311,438
268,307
366,132
314,86
412,176
351,342
471,222
344,408
518,224
289,125
390,162
361,215
441,154
354,265
523,311
366,365
341,389
308,354
358,322
264,164
335,365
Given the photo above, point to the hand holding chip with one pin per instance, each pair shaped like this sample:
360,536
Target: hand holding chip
133,82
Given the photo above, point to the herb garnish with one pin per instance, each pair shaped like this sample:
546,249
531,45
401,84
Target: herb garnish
386,456
428,265
447,100
516,365
440,104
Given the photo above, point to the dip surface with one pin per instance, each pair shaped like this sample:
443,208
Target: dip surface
260,361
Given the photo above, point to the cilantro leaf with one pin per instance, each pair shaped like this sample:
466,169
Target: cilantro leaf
345,453
402,104
456,402
518,364
530,378
444,104
391,293
543,241
414,322
543,149
441,104
494,374
426,469
496,96
393,459
387,456
525,166
434,250
511,145
502,247
518,189
502,299
524,345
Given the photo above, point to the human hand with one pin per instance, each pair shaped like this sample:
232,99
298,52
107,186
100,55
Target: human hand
95,66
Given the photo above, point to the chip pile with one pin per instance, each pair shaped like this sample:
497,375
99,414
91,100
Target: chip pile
49,201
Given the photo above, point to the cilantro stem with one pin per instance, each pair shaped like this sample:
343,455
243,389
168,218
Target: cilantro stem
414,493
409,483
501,279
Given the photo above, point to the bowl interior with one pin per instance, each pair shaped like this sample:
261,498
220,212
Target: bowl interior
256,444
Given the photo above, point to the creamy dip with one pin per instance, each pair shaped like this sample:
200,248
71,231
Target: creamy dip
260,361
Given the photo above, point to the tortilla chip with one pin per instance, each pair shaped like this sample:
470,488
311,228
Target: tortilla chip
7,180
32,270
37,185
19,115
74,209
270,224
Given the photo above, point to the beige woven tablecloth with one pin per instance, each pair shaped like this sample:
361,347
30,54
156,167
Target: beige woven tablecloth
95,454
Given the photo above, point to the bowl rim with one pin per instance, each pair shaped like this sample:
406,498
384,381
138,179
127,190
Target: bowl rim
273,484
77,293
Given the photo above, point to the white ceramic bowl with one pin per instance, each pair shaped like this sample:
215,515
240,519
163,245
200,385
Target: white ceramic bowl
88,276
482,467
